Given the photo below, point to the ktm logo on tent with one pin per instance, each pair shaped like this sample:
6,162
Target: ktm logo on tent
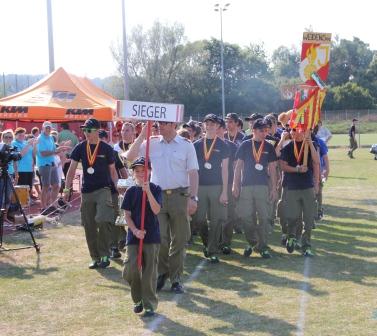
14,109
80,111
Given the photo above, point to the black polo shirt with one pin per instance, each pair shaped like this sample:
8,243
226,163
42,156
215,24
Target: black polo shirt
132,202
232,157
101,177
296,181
220,152
252,176
237,139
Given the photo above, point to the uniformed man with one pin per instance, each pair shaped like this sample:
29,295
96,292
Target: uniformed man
97,209
213,159
301,184
175,170
232,134
128,137
352,137
231,218
118,234
251,119
256,160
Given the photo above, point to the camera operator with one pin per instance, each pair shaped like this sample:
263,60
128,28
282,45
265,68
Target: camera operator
6,139
8,156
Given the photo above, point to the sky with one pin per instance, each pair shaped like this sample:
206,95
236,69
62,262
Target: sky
84,30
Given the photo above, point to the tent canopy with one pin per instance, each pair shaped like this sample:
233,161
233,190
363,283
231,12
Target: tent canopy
59,97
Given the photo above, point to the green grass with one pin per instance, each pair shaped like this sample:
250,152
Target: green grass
55,294
342,127
342,140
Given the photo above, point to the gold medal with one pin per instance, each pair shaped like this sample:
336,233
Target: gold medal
208,153
91,156
298,155
257,155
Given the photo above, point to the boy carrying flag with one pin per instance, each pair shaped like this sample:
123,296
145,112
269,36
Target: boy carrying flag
143,283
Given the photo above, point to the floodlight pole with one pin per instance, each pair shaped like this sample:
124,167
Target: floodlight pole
50,37
221,9
125,53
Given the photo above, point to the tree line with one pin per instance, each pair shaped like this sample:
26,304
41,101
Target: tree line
163,66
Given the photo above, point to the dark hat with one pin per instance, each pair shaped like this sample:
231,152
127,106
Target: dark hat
354,119
211,117
191,124
91,123
254,117
233,116
267,121
140,161
260,124
222,122
102,134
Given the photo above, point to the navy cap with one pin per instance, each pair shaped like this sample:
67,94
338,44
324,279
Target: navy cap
222,122
140,162
268,122
254,117
233,116
260,124
102,134
91,123
211,117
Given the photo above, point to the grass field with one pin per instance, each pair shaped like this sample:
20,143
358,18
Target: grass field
342,140
333,293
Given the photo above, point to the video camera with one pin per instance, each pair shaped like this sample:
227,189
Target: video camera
8,154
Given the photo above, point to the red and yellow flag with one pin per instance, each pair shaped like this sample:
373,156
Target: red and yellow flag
315,56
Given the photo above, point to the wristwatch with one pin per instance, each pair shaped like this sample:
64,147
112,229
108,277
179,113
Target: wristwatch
195,198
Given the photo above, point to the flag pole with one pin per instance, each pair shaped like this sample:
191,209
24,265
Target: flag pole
144,198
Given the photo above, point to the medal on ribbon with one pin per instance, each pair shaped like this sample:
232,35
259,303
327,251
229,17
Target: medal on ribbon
91,156
234,138
208,153
298,155
257,155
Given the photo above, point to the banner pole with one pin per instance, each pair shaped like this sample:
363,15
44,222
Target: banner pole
144,198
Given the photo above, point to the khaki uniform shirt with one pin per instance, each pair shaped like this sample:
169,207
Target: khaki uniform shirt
171,161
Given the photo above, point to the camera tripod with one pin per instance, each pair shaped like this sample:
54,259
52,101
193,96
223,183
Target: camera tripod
5,183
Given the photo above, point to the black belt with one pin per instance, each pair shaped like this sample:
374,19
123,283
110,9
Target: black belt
50,164
183,191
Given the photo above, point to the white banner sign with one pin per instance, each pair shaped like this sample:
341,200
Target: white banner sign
150,111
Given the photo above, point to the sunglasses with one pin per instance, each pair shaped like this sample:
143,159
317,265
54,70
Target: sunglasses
8,137
89,130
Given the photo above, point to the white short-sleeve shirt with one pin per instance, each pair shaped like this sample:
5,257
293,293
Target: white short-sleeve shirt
171,161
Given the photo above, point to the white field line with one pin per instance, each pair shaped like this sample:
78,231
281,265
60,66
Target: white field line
156,322
304,299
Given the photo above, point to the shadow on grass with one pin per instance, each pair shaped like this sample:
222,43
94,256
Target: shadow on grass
347,177
352,213
10,270
237,320
168,327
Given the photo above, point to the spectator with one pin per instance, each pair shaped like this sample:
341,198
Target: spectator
323,133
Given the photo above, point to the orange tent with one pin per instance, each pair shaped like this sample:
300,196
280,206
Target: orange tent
59,97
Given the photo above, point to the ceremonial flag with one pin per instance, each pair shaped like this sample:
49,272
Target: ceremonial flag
315,57
307,107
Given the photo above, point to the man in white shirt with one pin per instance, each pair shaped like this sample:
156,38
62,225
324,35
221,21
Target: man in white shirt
323,133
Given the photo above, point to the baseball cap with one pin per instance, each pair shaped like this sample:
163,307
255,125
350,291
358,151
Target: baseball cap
91,123
47,124
211,117
222,122
260,124
140,161
354,119
254,117
233,116
268,122
102,134
191,124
